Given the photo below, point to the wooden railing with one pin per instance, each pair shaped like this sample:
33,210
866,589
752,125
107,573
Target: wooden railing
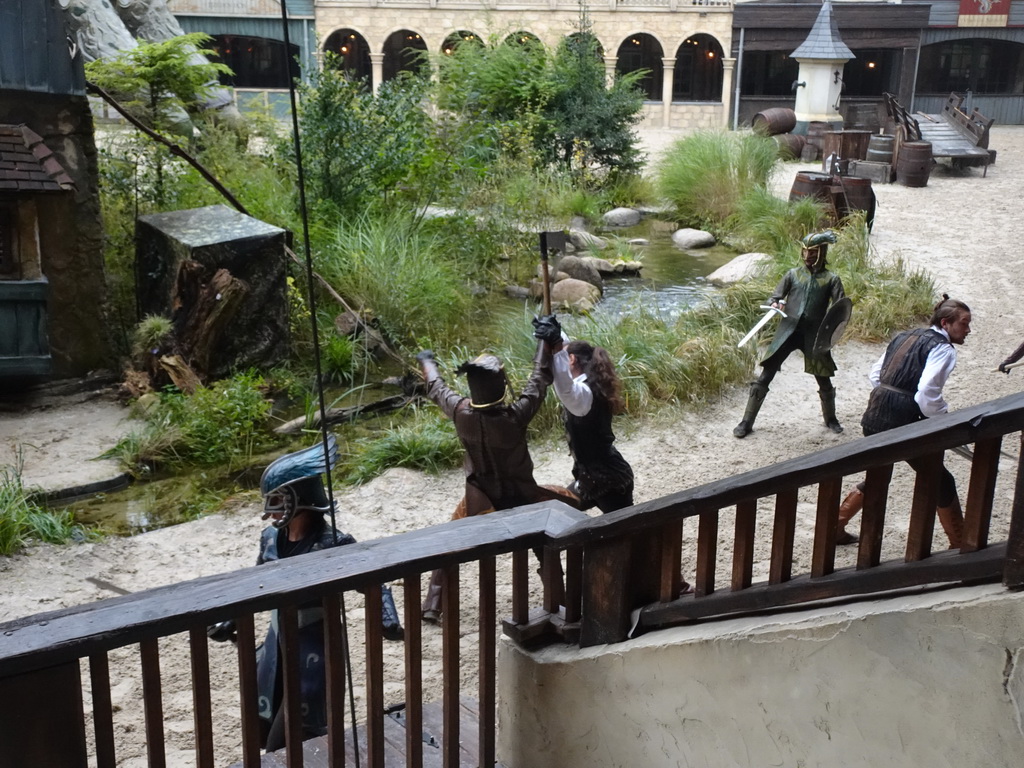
622,576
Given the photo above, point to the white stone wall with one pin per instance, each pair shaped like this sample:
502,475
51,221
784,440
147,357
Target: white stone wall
931,680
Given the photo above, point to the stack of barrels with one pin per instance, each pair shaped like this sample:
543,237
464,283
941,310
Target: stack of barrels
779,122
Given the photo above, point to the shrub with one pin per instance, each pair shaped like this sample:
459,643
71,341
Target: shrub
22,518
427,442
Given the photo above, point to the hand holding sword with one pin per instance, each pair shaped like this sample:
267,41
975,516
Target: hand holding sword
774,309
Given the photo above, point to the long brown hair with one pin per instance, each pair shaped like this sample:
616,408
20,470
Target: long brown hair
601,376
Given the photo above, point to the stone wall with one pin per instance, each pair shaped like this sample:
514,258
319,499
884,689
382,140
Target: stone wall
933,679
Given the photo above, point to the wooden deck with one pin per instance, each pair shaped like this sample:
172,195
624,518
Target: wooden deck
960,137
314,751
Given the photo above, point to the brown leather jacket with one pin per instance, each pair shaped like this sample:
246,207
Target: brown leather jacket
499,470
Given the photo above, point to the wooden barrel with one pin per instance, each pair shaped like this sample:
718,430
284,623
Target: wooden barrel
815,130
772,122
859,196
791,145
809,184
880,149
914,164
862,117
846,145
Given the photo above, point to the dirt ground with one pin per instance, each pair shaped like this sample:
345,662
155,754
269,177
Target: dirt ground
963,228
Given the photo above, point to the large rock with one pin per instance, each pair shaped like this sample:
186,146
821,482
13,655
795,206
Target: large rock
575,295
742,267
692,238
580,269
621,217
584,241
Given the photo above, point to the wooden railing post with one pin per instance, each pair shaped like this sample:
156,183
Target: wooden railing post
606,602
1013,570
41,721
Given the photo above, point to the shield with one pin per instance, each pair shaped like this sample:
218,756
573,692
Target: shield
832,326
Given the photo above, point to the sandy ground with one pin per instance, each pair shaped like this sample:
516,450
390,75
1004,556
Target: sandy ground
963,228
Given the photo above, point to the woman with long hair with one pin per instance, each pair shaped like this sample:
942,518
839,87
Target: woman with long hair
588,387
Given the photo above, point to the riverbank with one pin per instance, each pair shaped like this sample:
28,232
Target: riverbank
962,228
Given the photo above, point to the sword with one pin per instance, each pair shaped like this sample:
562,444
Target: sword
772,311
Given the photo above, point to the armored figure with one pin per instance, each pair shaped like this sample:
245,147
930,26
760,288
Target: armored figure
296,503
807,295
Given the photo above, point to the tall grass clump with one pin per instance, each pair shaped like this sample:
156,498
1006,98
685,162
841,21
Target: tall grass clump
765,223
426,442
23,519
223,423
391,269
706,174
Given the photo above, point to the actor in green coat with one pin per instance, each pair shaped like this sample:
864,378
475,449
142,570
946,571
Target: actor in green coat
805,295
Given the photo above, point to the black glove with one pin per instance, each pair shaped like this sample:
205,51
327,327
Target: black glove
222,632
547,328
424,355
1003,368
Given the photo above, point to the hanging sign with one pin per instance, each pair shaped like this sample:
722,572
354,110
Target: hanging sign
983,13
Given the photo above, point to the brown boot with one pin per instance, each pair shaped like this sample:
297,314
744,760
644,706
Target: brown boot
952,519
431,609
851,505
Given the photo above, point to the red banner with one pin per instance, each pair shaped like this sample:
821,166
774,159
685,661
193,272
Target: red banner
984,13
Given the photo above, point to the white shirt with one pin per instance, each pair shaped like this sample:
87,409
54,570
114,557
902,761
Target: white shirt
574,392
937,368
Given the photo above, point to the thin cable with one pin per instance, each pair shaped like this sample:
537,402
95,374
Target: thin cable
316,340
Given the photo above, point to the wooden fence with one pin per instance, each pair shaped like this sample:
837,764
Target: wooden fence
622,576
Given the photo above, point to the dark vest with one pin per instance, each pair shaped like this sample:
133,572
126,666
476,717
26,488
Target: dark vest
892,403
591,436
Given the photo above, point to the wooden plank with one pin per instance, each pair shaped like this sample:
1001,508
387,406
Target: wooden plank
202,709
373,619
573,583
334,671
826,524
606,598
922,509
1013,571
102,711
413,670
670,580
520,587
707,553
487,664
743,544
783,532
872,523
248,692
986,565
152,703
288,639
980,493
450,670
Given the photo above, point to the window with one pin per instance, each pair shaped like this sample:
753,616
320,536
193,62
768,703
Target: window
10,267
978,65
768,73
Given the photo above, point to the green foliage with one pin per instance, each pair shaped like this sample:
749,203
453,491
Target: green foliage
391,269
359,147
338,359
222,423
152,333
152,78
764,223
23,519
706,174
427,442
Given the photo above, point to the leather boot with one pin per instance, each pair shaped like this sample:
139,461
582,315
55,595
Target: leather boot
828,409
851,505
431,609
758,391
952,519
392,624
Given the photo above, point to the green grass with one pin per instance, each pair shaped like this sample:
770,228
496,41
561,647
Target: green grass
22,519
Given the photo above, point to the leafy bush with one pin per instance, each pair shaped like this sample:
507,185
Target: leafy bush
427,442
221,423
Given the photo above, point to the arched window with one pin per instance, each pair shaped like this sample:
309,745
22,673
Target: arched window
455,39
404,52
642,51
353,53
257,62
698,70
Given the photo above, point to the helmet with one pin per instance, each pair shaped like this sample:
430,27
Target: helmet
292,482
485,376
